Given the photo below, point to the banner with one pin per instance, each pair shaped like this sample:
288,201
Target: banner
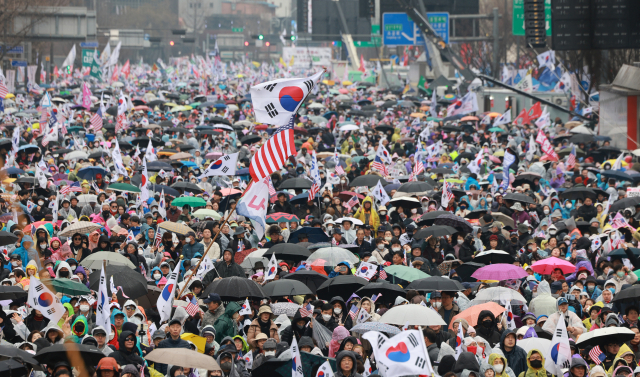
546,146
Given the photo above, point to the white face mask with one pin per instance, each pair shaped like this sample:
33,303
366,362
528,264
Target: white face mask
43,245
388,238
269,353
546,212
437,305
498,368
489,200
414,210
383,213
84,308
326,317
188,239
381,246
14,264
157,276
460,241
337,310
40,202
395,249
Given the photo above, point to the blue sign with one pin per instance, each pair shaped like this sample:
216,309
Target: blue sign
18,63
146,37
89,44
14,50
399,30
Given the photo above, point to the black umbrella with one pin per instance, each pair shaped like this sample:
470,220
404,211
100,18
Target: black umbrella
113,111
288,251
581,138
278,288
177,129
215,120
235,289
310,278
69,351
607,335
125,145
132,282
455,222
429,217
18,355
98,155
493,256
269,368
184,147
157,166
62,151
630,294
11,293
143,142
465,271
149,300
384,128
435,231
576,193
389,291
624,203
441,171
295,183
250,139
187,186
13,368
519,198
341,285
415,187
165,123
31,180
436,283
368,180
7,238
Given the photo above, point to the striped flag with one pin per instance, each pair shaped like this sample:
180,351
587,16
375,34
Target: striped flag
571,160
193,307
382,274
272,190
315,188
3,89
379,165
274,153
96,121
447,194
353,312
418,168
306,311
74,187
596,355
339,170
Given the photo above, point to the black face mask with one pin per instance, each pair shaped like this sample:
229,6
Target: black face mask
536,363
63,274
487,323
106,214
226,366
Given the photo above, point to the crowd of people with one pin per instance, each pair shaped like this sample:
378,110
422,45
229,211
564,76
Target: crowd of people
460,195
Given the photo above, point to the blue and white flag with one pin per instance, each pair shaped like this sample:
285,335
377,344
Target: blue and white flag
253,205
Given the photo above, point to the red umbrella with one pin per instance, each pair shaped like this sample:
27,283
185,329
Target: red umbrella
546,266
347,195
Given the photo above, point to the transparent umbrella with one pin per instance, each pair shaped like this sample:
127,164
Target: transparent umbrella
332,256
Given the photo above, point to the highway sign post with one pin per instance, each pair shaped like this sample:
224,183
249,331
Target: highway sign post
399,30
518,17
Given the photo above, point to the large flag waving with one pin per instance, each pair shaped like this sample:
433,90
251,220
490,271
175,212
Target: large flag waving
144,191
274,153
165,300
225,165
275,102
404,354
558,356
253,205
103,312
42,299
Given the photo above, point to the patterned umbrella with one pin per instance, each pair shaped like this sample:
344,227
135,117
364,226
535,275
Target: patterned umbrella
281,217
375,326
175,227
82,227
287,308
455,222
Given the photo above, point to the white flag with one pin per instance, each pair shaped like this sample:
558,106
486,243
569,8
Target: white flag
508,314
459,341
363,316
272,268
144,191
54,207
466,105
225,165
115,55
404,354
274,102
296,359
617,165
433,109
526,84
42,299
68,62
116,155
248,359
474,166
103,308
366,270
380,194
326,371
40,174
246,308
544,120
503,119
547,59
558,356
165,300
532,148
383,154
253,205
314,172
161,206
150,153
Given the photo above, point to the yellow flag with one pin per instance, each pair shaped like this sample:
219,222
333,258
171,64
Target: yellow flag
282,62
199,341
256,64
291,61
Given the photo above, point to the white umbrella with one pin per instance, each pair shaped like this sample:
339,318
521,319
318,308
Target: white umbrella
605,336
76,155
257,256
232,107
94,261
332,256
83,200
540,344
343,97
183,357
498,295
10,110
412,314
117,84
82,227
582,129
353,221
349,127
316,105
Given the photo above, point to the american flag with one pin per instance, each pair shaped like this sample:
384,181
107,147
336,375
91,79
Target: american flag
382,274
193,307
379,165
274,153
418,168
272,190
596,355
313,191
446,190
306,311
158,240
339,170
353,312
375,297
3,89
571,160
96,121
352,202
74,187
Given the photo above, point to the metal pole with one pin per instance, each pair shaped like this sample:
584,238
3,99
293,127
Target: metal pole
496,42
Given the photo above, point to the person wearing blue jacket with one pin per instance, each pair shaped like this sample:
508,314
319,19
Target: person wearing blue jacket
22,251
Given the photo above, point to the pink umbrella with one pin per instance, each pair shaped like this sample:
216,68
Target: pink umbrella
499,271
213,155
229,191
546,266
495,159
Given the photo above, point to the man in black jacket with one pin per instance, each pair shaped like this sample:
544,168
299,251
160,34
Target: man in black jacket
173,341
298,328
282,205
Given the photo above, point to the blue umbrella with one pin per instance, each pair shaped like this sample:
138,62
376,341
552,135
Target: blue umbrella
13,170
220,106
167,190
244,171
89,173
315,235
329,114
29,148
391,187
617,174
329,162
302,198
189,164
202,128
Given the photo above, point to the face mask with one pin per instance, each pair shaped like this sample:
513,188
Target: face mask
383,213
463,208
63,274
498,368
342,181
269,353
472,349
437,305
327,200
612,290
13,280
620,274
188,239
381,246
568,205
536,364
546,211
226,366
40,202
259,270
73,268
460,241
590,288
14,264
489,200
388,238
157,276
43,245
487,324
329,227
84,308
337,310
395,249
326,317
552,232
414,210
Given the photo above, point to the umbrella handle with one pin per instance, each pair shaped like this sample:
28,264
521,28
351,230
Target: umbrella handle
205,253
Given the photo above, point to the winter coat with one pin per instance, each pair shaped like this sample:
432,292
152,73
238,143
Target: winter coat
517,357
574,320
374,219
530,372
353,372
543,303
124,357
225,325
491,334
287,334
211,318
255,329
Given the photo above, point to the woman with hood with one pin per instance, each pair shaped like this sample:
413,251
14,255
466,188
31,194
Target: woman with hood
499,364
82,274
128,352
339,334
131,253
626,357
103,245
369,306
53,334
535,365
94,238
59,252
156,275
487,328
368,215
23,251
297,328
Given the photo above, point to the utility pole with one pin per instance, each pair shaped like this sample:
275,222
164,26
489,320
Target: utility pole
496,42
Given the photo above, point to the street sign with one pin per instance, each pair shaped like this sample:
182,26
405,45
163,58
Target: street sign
400,30
14,50
18,63
376,41
237,29
518,17
89,44
87,57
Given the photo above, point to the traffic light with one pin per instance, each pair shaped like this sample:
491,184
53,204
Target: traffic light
246,43
171,43
534,23
267,43
260,37
293,37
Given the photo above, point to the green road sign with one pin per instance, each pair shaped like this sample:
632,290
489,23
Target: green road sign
376,40
518,17
87,58
237,29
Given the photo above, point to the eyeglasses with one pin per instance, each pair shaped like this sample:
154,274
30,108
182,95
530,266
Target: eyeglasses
77,239
130,339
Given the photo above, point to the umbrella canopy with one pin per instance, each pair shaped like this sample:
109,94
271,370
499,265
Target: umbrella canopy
465,270
435,231
493,256
576,193
281,217
389,291
95,260
132,282
519,198
540,344
429,217
183,357
547,265
82,227
405,202
630,294
499,294
193,201
66,286
89,173
295,183
455,222
412,314
235,289
124,187
175,227
11,293
362,328
187,186
436,283
315,235
7,238
18,355
368,180
309,278
202,213
607,335
288,251
332,256
471,314
415,186
341,285
405,273
69,352
499,271
288,287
